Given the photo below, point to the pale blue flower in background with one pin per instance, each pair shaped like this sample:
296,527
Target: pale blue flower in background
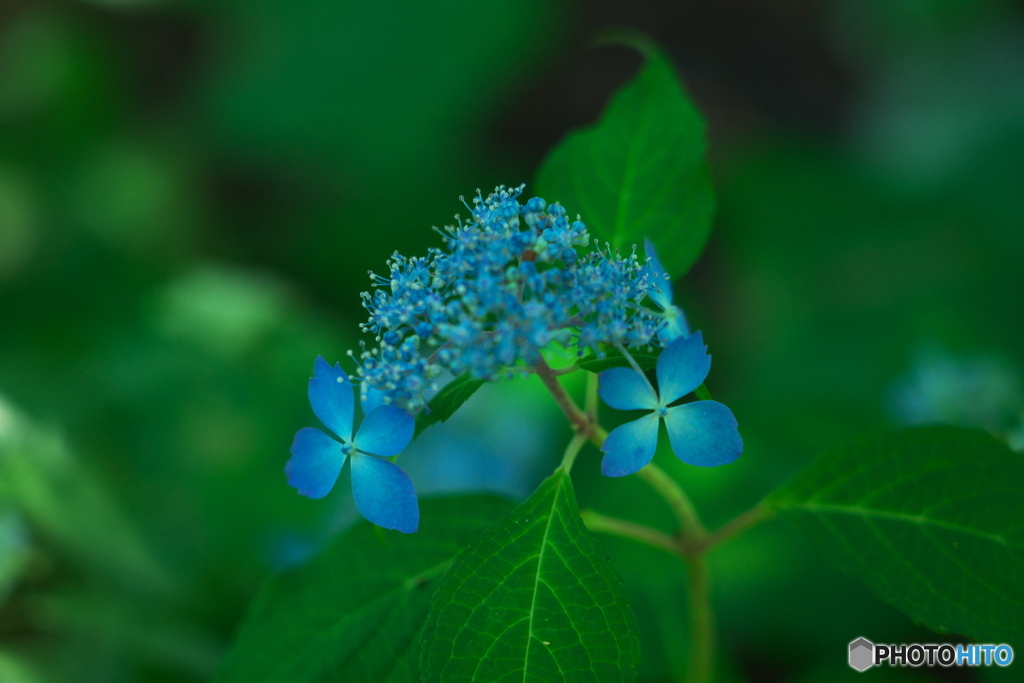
969,390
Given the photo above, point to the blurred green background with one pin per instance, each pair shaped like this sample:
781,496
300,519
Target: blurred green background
191,194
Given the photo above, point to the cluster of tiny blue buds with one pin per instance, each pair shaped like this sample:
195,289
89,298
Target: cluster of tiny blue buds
511,281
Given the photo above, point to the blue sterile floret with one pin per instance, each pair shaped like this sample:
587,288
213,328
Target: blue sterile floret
701,432
383,493
511,280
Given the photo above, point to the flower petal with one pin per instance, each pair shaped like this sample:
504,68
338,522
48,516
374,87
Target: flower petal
371,399
630,447
315,463
703,433
663,295
675,326
626,389
682,366
384,494
330,394
385,431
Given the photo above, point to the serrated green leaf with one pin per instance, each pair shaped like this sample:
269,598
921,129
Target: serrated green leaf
447,401
615,359
533,599
640,171
354,613
931,519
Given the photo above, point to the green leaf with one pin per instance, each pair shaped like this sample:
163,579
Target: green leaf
615,359
447,401
931,519
534,599
355,612
640,171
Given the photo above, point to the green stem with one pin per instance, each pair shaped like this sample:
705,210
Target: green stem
752,517
691,530
557,372
702,622
599,523
702,618
592,403
685,547
690,543
590,430
571,451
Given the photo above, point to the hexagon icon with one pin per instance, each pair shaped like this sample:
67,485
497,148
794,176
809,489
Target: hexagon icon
862,654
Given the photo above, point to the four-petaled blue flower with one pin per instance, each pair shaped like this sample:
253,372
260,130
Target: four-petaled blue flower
383,493
675,322
701,433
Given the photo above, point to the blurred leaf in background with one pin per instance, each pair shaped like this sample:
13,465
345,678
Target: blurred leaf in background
376,111
68,549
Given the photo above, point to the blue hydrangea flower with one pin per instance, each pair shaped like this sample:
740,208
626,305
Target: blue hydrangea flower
701,433
675,325
383,493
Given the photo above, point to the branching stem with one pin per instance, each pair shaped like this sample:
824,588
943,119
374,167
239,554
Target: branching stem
603,524
691,531
583,425
692,541
734,527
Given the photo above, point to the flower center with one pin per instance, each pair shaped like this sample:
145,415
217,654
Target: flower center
347,449
661,411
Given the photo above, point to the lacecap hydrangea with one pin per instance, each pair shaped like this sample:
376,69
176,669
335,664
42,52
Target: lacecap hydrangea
513,279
